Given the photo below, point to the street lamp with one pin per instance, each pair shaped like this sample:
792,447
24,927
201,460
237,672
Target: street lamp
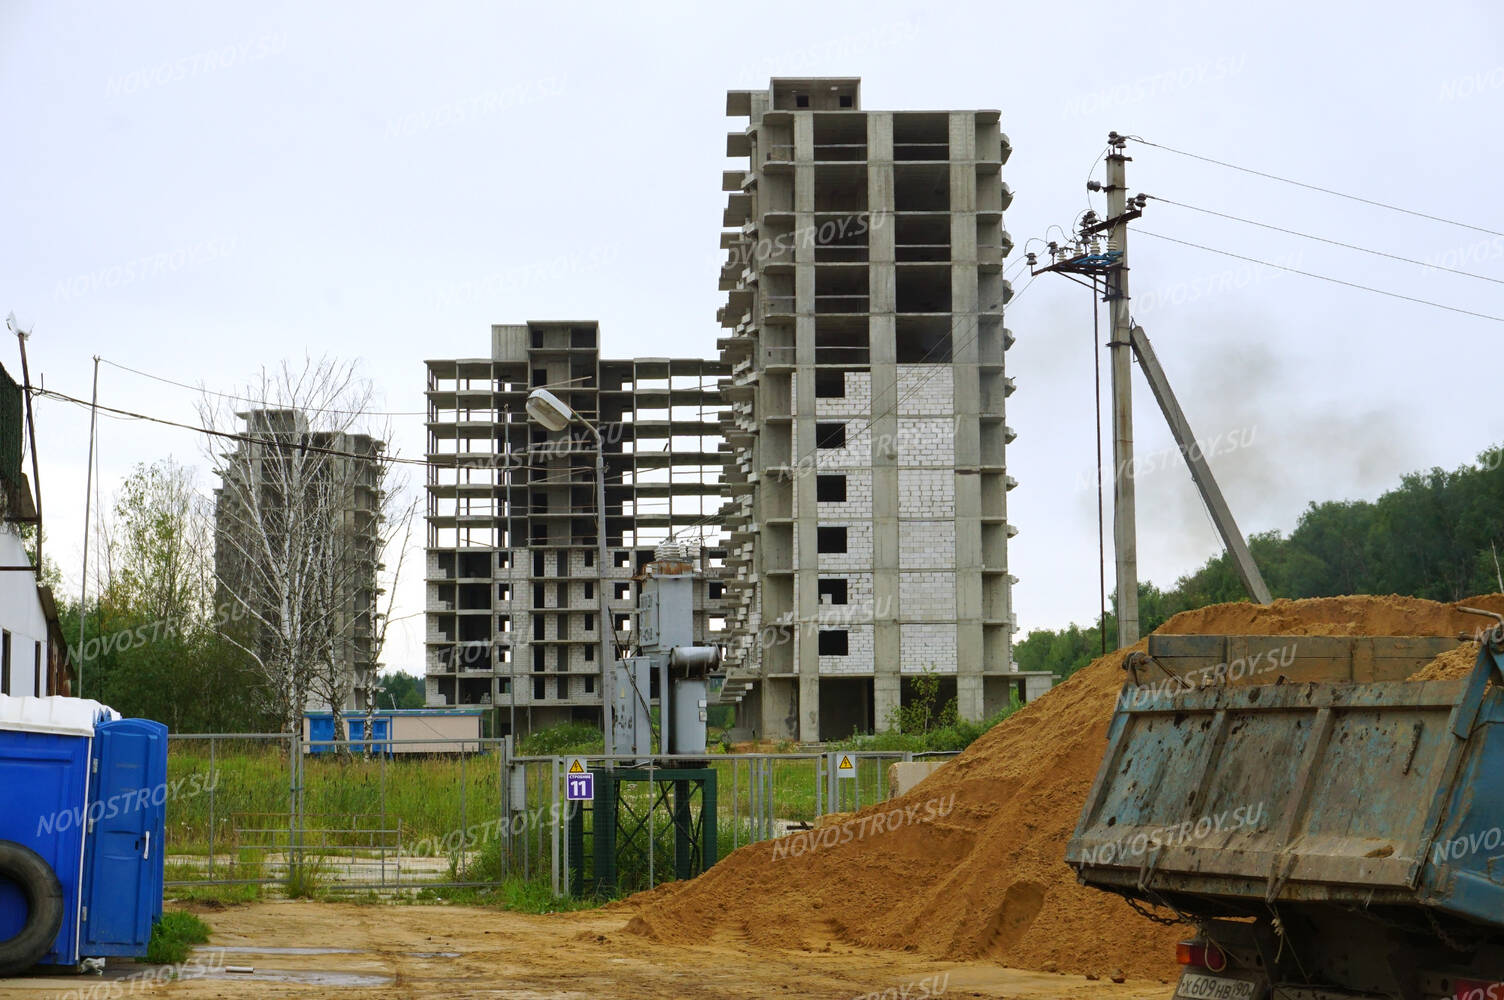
553,414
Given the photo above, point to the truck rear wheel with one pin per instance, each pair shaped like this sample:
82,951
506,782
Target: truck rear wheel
44,898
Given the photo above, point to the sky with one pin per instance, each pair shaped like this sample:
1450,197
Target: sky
199,191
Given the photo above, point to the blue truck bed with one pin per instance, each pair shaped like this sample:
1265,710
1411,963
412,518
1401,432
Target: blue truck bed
1227,799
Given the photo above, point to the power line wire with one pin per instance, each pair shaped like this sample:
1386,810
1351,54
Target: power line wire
1316,187
561,477
1323,277
1323,239
568,383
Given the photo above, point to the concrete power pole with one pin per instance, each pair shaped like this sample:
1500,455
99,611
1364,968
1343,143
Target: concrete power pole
1120,353
1084,257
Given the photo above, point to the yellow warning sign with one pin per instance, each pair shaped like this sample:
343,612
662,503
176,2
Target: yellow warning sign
846,768
577,766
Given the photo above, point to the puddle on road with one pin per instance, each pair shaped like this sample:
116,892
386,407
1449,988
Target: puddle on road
257,950
254,950
302,977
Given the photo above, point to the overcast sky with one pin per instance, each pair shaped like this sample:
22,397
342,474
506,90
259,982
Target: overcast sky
197,190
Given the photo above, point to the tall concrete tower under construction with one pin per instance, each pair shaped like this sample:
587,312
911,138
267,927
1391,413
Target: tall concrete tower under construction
864,331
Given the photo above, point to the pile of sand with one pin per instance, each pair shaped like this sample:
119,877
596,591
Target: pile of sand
988,879
1452,664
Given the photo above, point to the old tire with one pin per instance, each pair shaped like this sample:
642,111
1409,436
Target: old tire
44,897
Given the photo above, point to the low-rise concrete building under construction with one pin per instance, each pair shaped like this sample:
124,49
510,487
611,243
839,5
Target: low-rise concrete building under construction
512,604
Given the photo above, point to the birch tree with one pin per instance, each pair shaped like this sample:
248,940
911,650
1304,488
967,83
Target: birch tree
300,515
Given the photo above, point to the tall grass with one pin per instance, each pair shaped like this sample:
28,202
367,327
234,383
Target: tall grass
349,799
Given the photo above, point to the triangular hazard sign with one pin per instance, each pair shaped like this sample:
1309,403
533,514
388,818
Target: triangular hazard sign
575,767
845,764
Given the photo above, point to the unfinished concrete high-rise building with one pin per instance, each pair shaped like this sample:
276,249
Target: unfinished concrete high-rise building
512,572
864,332
284,483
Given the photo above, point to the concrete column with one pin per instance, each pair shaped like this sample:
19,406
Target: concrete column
967,419
882,342
806,525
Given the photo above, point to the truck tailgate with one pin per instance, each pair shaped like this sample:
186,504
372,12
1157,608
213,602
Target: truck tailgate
1296,791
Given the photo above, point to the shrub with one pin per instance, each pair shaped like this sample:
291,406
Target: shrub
571,737
174,936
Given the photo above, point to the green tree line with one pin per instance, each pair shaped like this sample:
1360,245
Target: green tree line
1439,535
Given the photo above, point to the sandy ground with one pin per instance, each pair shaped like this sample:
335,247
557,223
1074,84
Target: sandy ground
442,952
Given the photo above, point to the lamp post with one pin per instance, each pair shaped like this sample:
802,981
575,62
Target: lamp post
554,414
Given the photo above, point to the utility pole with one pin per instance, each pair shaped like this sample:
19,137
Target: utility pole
1083,256
83,587
31,432
1120,354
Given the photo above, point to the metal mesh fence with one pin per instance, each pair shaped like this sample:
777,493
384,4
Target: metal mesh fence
269,813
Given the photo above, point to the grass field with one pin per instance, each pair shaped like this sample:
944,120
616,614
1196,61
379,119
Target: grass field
233,799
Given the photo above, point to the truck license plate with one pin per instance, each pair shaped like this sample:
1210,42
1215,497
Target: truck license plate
1195,986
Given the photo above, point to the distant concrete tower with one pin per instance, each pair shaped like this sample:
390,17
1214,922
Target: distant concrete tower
864,330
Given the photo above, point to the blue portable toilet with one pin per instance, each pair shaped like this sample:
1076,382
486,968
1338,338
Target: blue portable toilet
84,794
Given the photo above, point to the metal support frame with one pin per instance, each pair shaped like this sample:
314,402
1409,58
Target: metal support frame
617,826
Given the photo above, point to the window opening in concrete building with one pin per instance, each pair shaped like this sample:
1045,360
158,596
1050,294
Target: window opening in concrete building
921,187
833,642
922,288
830,435
830,385
621,591
842,288
923,340
919,136
830,489
832,590
830,541
590,623
921,239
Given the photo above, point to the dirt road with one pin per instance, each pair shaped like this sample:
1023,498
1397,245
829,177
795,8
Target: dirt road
322,950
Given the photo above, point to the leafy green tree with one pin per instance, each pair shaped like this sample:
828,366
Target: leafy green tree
1437,535
399,689
152,644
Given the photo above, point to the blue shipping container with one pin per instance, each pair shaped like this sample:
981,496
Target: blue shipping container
321,728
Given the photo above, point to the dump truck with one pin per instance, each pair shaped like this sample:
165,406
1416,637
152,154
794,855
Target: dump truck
1324,827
